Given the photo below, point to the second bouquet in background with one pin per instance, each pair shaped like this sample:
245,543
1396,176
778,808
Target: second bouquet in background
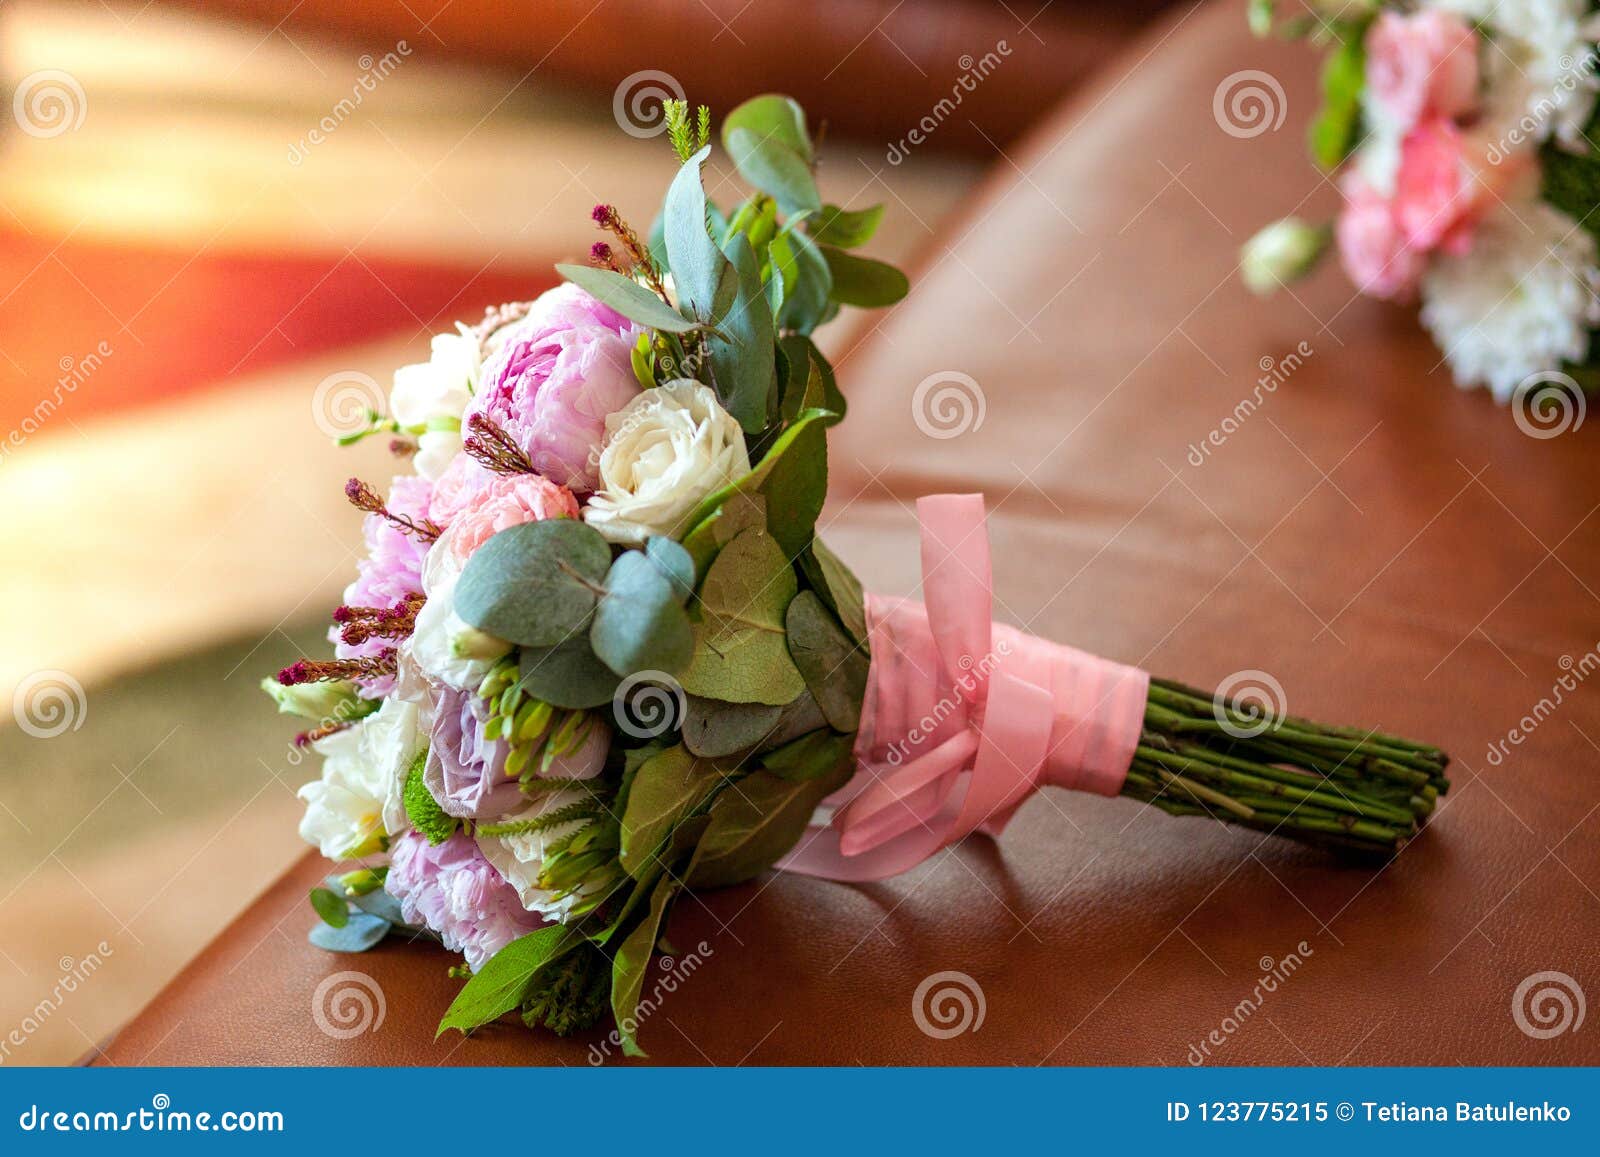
1462,132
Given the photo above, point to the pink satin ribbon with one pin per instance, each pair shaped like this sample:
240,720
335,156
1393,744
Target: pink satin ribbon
965,718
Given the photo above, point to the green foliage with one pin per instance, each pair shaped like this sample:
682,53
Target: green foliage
640,624
863,281
807,281
567,674
715,528
571,994
509,976
845,228
792,478
811,756
422,810
535,584
697,263
807,381
333,909
753,827
666,788
632,959
832,664
739,650
625,295
741,350
686,136
1338,124
837,586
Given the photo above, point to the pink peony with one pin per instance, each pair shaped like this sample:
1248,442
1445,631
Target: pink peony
457,893
506,501
554,379
1420,64
1434,205
1371,245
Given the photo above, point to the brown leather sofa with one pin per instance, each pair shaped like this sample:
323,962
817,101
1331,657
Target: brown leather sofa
1391,550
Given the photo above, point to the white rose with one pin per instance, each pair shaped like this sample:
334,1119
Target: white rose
445,646
665,451
344,809
428,398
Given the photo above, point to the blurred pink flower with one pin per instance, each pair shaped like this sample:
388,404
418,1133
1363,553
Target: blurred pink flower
1371,245
554,379
1434,205
1420,64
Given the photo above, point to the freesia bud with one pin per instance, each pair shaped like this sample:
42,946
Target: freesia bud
1281,253
334,699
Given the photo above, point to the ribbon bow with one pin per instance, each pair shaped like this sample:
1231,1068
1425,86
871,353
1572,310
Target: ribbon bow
964,718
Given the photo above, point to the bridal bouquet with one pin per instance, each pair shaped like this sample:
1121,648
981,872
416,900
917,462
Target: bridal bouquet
596,655
1462,134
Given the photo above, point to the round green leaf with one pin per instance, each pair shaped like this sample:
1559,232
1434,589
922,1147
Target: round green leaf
535,584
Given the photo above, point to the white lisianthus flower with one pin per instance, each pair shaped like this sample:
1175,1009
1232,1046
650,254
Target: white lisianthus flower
1282,252
1523,300
520,857
445,646
392,739
664,451
428,398
344,809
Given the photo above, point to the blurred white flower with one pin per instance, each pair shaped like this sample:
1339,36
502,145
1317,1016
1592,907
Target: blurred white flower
1523,300
1280,253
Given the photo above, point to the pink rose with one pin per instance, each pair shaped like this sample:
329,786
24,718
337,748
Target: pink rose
457,488
555,378
1371,245
1424,63
1434,205
508,500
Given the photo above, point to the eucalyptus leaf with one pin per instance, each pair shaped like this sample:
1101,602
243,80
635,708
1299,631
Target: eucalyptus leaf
500,985
358,934
739,651
844,227
809,757
834,665
698,266
838,586
714,529
862,281
632,961
774,117
718,730
741,352
674,562
535,584
665,789
774,167
754,827
640,624
567,675
809,382
625,295
331,906
382,905
713,729
807,281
